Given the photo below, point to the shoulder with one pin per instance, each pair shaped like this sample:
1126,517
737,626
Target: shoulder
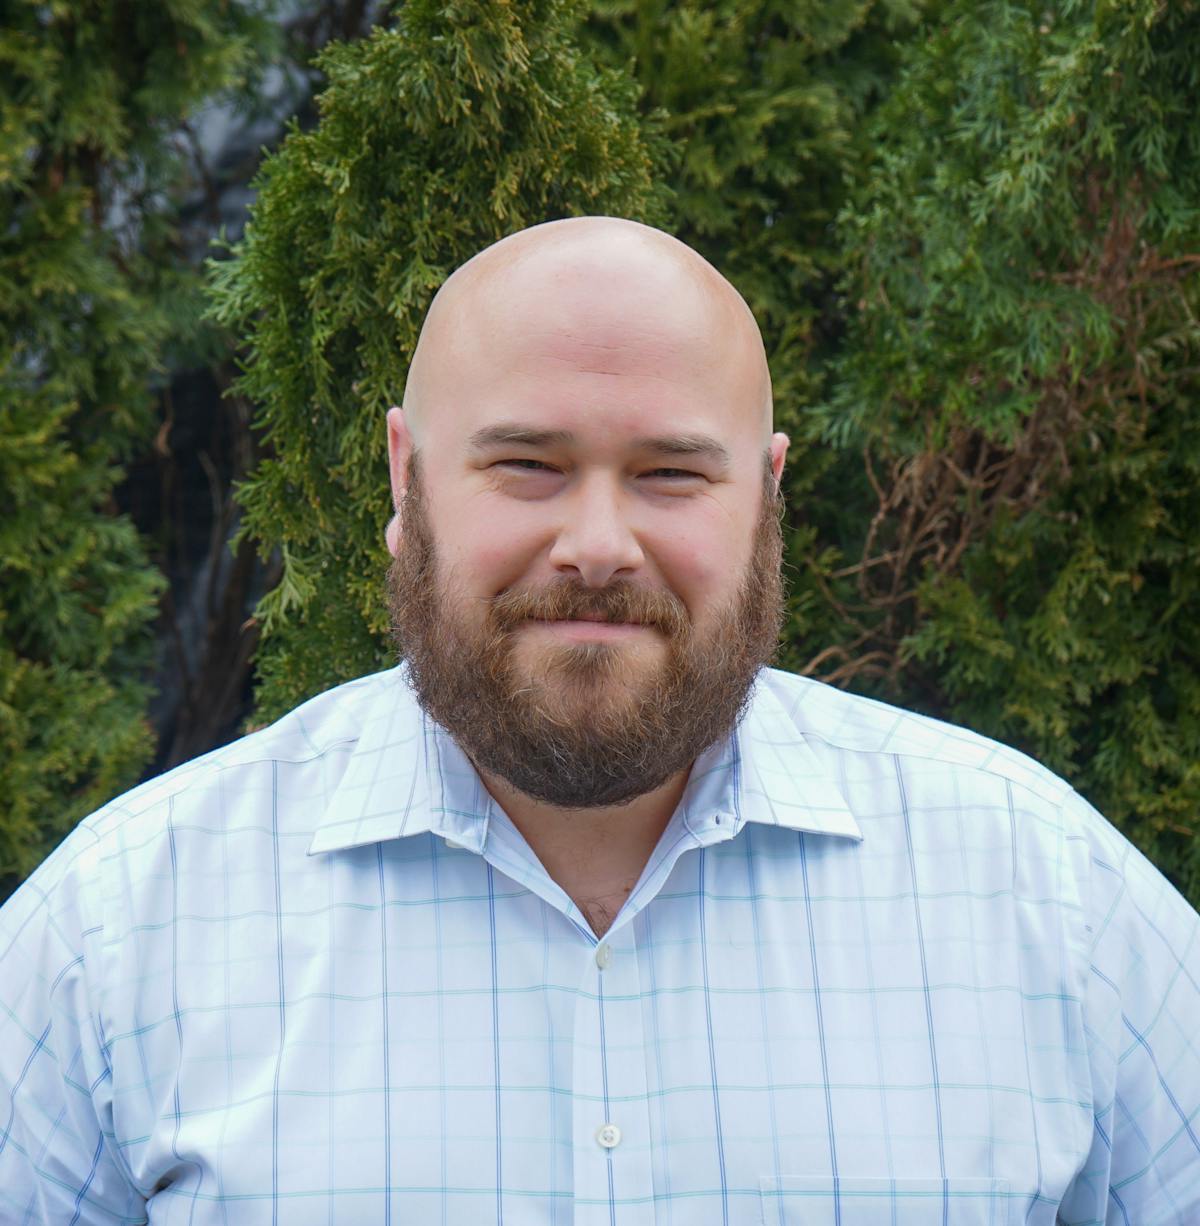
954,775
321,728
837,723
233,789
907,776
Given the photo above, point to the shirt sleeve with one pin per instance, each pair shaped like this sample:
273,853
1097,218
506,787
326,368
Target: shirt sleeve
59,1161
1142,1023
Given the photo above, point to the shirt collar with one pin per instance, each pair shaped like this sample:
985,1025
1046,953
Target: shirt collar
782,781
408,776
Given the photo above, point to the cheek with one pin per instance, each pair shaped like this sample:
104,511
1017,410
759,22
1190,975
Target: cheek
702,562
488,553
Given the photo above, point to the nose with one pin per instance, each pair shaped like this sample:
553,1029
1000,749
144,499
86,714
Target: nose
596,541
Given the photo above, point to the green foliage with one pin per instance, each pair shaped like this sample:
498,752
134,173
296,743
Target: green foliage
762,104
1021,376
436,137
90,293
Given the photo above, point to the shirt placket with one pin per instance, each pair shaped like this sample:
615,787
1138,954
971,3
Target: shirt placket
611,1119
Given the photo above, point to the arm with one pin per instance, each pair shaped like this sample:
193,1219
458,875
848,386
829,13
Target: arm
1142,1020
59,1160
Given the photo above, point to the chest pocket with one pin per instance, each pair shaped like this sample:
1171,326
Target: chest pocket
798,1200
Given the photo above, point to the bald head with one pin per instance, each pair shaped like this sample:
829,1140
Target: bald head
608,294
590,407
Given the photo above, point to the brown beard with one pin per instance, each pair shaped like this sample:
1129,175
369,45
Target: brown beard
595,728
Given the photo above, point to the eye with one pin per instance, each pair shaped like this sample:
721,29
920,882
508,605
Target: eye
528,466
674,474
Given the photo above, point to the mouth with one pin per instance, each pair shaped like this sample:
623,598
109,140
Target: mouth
593,617
590,626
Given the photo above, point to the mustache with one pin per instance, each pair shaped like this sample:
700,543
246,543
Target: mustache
619,602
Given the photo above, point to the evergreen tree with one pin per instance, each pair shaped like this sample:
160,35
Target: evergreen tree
453,127
90,295
1020,375
762,104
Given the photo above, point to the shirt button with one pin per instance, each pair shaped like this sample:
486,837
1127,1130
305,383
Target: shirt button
604,956
609,1135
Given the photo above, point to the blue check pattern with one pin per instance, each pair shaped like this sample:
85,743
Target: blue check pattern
879,970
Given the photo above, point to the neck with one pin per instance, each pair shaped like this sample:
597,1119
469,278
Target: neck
595,855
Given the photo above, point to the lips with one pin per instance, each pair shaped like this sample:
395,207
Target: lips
578,625
594,618
564,606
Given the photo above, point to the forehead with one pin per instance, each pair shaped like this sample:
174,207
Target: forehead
606,352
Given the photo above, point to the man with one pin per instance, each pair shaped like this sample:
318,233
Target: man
582,915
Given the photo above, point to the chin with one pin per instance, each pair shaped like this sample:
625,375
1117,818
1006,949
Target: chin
618,666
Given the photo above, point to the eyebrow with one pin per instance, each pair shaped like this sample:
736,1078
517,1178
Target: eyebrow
697,446
510,433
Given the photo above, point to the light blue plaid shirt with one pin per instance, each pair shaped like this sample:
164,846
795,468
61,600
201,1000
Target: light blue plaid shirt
879,970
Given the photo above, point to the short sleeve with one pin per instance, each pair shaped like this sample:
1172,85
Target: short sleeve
1142,1024
58,1157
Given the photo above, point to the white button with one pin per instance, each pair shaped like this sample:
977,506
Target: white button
453,846
604,956
609,1135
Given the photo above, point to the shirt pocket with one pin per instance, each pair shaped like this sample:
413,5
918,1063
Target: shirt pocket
801,1200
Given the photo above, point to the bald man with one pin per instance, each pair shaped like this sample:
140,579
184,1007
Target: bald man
603,583
584,914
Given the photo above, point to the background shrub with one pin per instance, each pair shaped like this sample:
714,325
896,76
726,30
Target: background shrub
92,300
1020,381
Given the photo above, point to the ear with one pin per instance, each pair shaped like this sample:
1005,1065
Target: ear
779,446
400,447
